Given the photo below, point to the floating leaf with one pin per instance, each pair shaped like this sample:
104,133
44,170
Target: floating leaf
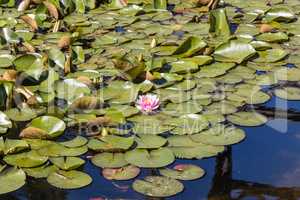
182,108
189,124
184,147
247,119
124,173
41,172
69,179
110,142
273,37
78,141
150,159
280,14
149,141
189,47
156,186
289,93
271,55
13,178
11,146
24,114
109,160
183,172
51,126
67,163
220,135
71,89
234,51
31,64
183,67
27,159
56,150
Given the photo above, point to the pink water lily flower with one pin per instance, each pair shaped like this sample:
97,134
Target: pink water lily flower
148,103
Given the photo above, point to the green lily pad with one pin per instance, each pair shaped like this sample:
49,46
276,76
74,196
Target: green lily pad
182,67
183,172
52,126
280,14
10,146
234,51
273,37
110,142
69,179
156,186
109,160
271,55
150,159
145,141
24,114
185,148
182,108
31,64
190,123
220,135
247,119
71,89
78,141
56,150
26,159
40,172
189,47
124,173
67,163
13,178
289,93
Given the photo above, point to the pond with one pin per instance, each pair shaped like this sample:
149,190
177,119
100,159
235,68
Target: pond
149,99
265,165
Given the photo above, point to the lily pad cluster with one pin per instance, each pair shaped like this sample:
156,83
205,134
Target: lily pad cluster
72,74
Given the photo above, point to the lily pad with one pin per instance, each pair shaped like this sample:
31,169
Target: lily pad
156,186
110,142
150,159
27,159
183,172
247,119
124,173
56,150
289,93
220,135
41,172
189,47
52,126
69,179
271,55
11,146
67,163
24,114
145,141
13,178
78,141
109,160
234,51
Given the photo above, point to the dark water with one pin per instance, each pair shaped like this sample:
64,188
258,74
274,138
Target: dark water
266,166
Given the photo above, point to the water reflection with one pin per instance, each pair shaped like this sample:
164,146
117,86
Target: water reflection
226,188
